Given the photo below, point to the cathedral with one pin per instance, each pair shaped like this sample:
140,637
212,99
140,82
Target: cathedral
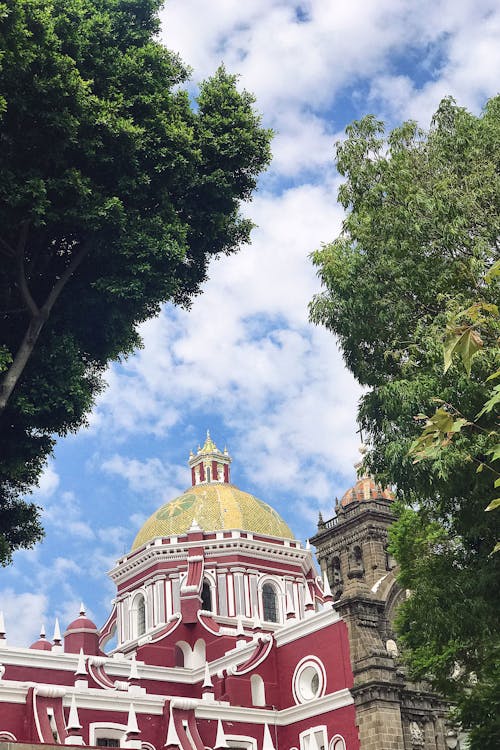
221,635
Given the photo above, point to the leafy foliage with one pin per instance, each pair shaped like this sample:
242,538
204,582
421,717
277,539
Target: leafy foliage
115,193
418,242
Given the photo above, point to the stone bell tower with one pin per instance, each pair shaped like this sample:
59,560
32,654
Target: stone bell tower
392,713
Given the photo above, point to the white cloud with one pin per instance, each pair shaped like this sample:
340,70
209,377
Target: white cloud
24,615
48,482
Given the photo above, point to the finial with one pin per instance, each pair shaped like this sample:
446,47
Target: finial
82,609
57,633
2,626
267,741
308,600
42,632
73,724
134,672
80,667
308,544
207,681
172,740
220,740
132,726
194,526
327,592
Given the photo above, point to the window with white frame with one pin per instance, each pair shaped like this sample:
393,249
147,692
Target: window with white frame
270,606
314,739
141,615
102,734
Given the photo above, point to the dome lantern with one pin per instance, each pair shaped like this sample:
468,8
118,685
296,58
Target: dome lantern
209,464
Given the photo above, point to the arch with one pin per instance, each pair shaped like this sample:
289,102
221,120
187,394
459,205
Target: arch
102,731
138,614
198,654
258,690
141,615
206,596
270,605
178,656
181,647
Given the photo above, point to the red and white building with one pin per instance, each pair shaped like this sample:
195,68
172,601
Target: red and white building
224,637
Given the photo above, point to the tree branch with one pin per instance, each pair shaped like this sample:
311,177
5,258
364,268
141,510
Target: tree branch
38,320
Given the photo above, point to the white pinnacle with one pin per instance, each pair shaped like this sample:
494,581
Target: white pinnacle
220,740
308,544
207,682
326,585
73,718
80,667
82,608
57,632
172,736
308,598
134,672
132,726
42,631
2,624
267,741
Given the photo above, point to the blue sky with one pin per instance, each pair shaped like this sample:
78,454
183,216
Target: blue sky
244,361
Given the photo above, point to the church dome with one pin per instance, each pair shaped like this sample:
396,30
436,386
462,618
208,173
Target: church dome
215,506
366,489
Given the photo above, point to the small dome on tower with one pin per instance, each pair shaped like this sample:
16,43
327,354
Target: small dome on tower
81,623
366,489
42,644
82,633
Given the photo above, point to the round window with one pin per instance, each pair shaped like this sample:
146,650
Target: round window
308,680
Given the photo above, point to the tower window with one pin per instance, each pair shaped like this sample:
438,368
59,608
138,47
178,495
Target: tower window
206,597
269,603
141,616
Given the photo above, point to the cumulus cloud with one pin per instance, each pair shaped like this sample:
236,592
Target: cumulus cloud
24,615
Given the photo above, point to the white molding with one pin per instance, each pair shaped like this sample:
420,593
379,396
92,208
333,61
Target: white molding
285,717
300,628
138,561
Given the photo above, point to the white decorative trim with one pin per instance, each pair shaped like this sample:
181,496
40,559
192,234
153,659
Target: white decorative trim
308,663
109,729
300,628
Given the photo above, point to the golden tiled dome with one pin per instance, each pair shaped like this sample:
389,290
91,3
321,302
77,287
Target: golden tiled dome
214,506
366,489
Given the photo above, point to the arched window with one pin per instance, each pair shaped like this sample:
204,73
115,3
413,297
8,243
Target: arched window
258,690
206,597
269,603
141,616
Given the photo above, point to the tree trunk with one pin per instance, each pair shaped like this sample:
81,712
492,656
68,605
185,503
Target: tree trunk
13,374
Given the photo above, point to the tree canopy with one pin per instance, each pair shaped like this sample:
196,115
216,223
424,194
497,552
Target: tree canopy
421,232
116,190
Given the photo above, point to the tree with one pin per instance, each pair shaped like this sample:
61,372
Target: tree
115,193
421,232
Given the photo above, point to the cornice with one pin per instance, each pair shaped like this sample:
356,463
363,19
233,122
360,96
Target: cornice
213,548
301,628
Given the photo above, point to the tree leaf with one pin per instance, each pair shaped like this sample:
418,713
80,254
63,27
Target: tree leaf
494,504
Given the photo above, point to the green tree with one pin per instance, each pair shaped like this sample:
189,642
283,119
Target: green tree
115,192
421,231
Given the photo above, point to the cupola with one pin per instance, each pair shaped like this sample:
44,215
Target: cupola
209,464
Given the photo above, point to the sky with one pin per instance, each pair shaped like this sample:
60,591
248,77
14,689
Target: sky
244,361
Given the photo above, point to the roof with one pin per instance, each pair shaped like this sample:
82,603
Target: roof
366,489
215,507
